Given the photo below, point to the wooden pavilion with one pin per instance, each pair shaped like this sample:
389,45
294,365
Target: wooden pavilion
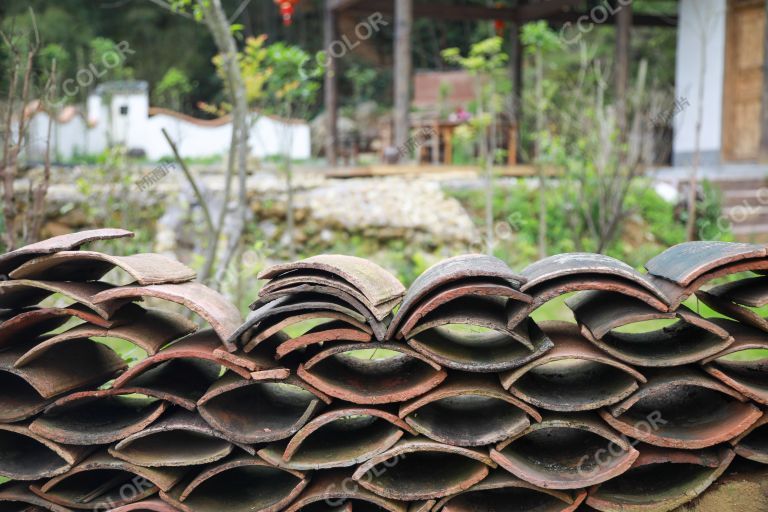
403,12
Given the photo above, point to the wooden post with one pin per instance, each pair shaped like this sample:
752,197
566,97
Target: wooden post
402,71
331,86
516,75
763,155
623,33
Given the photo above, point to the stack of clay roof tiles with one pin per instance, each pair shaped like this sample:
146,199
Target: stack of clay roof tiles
345,391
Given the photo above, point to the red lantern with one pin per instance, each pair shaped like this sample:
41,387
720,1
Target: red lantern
287,8
499,25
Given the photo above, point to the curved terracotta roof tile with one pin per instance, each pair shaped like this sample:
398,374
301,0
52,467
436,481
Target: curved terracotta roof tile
65,367
572,376
27,292
482,352
465,269
689,340
206,302
259,410
566,452
101,481
685,262
181,381
97,417
338,373
661,479
376,284
422,469
336,490
68,242
468,410
735,299
146,268
341,437
25,455
197,346
181,438
501,488
150,331
238,484
753,443
379,326
14,494
682,408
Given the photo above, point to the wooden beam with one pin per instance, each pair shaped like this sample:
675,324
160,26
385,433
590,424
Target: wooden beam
622,60
339,5
763,156
402,69
330,34
543,10
516,76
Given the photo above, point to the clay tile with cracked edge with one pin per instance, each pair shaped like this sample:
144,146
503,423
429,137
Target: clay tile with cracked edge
661,480
501,488
25,455
483,352
68,242
376,284
26,292
341,437
553,288
468,410
103,482
685,262
394,378
379,326
150,505
16,496
422,469
467,268
181,382
572,376
26,391
97,417
684,408
332,489
753,443
181,438
259,410
150,332
689,340
683,269
734,299
206,302
199,345
566,451
238,484
145,268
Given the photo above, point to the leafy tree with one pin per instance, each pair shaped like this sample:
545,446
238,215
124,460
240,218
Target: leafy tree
487,62
173,89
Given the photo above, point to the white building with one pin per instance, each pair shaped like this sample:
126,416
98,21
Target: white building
118,113
720,62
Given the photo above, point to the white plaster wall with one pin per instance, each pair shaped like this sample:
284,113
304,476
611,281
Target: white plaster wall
701,24
192,140
268,136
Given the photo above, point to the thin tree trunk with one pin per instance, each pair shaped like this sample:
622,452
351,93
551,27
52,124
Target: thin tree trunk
537,154
694,178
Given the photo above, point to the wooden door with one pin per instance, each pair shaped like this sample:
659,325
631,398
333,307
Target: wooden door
744,60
